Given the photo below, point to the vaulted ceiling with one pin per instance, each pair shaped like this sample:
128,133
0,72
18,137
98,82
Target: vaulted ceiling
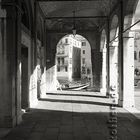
89,14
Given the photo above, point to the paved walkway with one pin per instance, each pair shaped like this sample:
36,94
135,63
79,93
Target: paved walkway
74,116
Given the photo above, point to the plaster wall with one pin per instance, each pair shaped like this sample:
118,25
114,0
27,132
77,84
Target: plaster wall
87,56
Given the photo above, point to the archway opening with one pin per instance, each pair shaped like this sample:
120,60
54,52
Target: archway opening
73,64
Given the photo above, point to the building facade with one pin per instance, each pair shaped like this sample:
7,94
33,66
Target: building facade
137,51
68,58
86,66
137,60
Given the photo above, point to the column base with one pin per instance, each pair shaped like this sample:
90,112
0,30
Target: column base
19,118
7,122
120,103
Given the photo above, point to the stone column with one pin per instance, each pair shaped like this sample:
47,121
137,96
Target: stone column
108,59
120,57
96,69
33,77
18,63
10,108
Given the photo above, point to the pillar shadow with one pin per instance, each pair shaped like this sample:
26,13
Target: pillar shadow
76,101
82,95
41,124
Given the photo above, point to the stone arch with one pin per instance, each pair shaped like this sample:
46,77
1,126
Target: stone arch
113,27
61,35
80,34
75,69
103,40
84,35
53,39
93,39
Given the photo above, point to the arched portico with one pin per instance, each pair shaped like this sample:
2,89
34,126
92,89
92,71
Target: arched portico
28,43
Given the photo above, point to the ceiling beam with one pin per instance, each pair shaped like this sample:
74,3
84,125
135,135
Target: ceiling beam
63,0
70,31
77,17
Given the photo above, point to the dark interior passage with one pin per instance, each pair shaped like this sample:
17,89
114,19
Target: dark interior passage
24,77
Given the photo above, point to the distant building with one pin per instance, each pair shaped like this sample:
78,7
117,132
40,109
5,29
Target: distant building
86,66
68,58
137,54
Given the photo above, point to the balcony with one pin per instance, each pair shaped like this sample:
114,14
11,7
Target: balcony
61,55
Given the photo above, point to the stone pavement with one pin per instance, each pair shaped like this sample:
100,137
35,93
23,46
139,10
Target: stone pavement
74,116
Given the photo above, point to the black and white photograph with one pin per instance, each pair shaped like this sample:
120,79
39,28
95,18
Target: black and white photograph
69,69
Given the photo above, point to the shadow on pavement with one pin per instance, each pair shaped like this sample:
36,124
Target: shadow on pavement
39,124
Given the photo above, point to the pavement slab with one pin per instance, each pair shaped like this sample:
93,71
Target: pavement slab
74,118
